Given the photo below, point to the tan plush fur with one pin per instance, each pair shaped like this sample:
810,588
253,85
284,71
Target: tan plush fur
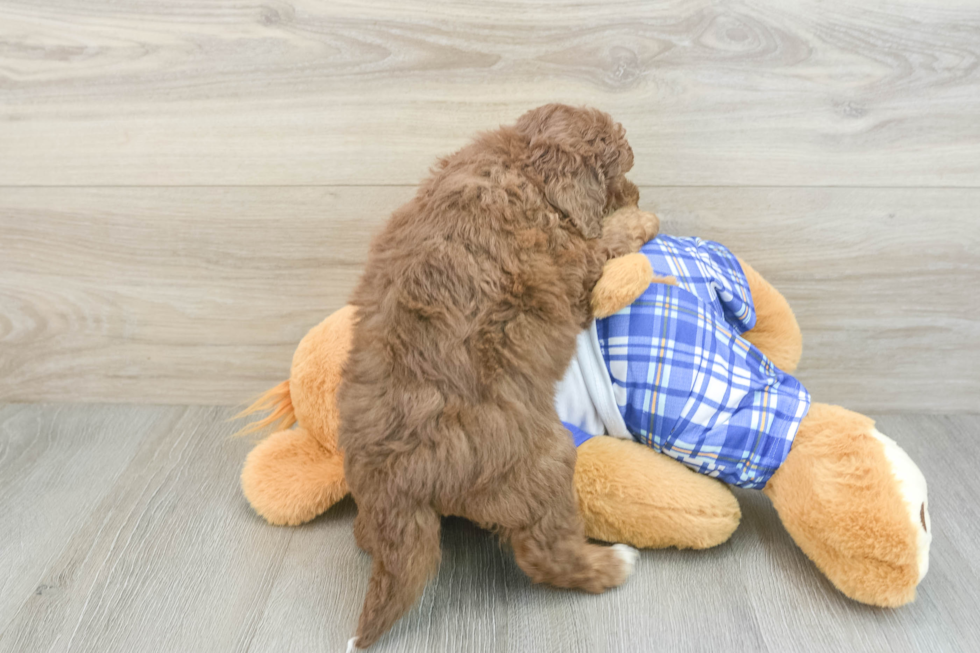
289,478
838,499
279,402
650,500
316,375
293,476
623,280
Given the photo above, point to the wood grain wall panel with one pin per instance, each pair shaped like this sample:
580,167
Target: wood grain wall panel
199,295
207,92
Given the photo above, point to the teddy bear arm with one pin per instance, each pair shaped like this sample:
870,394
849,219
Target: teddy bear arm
776,332
623,280
627,229
631,494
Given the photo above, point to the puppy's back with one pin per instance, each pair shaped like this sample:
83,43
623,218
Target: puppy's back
461,289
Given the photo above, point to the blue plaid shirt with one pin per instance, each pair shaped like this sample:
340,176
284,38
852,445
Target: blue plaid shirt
686,382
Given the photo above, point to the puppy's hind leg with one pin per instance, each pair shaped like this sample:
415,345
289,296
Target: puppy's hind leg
551,546
403,539
554,551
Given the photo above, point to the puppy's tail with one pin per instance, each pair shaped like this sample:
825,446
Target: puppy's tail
405,545
279,401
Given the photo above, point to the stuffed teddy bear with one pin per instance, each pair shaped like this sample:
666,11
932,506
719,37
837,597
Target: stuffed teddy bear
682,382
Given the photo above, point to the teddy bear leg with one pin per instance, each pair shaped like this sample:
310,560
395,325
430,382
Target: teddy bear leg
290,478
629,493
856,504
293,476
776,332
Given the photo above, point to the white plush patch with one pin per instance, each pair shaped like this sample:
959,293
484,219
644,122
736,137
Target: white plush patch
912,485
628,555
351,645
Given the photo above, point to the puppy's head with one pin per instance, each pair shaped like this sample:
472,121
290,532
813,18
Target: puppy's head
582,155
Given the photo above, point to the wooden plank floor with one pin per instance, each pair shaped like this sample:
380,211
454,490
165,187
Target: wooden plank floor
123,529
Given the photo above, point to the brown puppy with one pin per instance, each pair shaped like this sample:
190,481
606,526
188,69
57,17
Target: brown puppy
467,315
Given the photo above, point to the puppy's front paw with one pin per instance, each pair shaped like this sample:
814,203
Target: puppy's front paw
646,226
639,225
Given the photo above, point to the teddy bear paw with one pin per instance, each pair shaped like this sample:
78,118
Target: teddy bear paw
912,486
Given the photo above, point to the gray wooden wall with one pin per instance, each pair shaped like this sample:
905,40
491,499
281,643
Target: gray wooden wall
187,186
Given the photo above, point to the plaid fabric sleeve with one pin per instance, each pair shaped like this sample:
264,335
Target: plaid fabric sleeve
730,285
709,271
685,380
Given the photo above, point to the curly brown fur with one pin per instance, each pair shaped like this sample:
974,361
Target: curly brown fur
467,315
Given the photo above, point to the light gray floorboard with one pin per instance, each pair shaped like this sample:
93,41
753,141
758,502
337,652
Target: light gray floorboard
57,464
169,559
123,529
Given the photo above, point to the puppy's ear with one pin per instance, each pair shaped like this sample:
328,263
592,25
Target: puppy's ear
562,144
581,196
